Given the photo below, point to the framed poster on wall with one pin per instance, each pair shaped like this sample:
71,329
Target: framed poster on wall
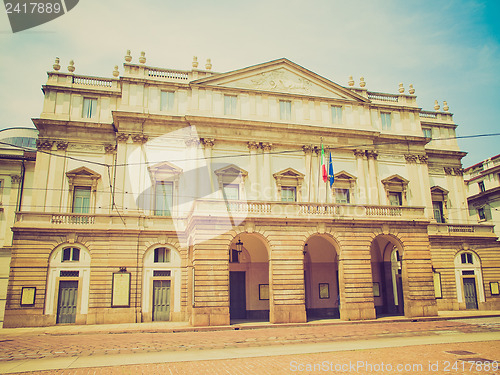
121,290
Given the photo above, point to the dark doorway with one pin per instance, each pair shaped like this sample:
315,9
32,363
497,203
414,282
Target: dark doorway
470,293
161,300
66,306
237,295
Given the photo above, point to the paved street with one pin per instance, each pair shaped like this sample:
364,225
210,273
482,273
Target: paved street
421,346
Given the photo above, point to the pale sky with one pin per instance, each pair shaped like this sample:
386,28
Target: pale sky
449,49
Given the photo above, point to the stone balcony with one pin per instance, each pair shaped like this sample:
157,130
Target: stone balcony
240,211
462,230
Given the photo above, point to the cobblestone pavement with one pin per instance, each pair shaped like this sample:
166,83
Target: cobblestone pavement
458,358
36,346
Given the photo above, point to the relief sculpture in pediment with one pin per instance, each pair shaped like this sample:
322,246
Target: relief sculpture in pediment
279,80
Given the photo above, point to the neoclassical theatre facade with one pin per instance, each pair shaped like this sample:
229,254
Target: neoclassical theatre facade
163,194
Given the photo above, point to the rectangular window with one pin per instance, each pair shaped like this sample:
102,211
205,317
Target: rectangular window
342,196
162,255
288,194
395,198
438,211
230,104
81,200
466,258
167,100
481,186
163,198
89,107
386,120
71,254
481,214
231,191
427,133
285,110
336,114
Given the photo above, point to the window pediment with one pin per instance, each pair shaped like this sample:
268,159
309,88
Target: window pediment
439,194
165,171
83,176
289,176
230,171
395,183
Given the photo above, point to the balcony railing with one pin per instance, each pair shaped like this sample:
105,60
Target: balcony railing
461,229
383,97
302,210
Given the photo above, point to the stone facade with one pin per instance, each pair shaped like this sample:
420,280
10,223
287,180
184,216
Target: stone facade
198,196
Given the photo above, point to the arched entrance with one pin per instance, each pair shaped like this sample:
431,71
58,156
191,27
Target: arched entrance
161,296
321,278
248,278
469,279
387,273
68,282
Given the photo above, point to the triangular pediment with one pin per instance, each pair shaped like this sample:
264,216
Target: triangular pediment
395,179
231,170
165,167
289,173
281,76
343,175
439,190
83,172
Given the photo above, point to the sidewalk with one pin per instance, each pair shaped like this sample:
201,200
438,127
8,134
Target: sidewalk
239,325
163,346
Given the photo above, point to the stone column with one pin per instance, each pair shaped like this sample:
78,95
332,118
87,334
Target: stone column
425,186
121,171
362,196
308,177
56,178
373,188
42,168
463,212
267,188
411,165
138,140
208,145
255,186
110,150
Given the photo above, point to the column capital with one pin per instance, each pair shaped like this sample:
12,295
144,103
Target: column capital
370,154
122,137
109,148
423,159
266,146
207,142
192,142
359,153
44,144
15,179
139,138
410,158
252,145
307,149
62,145
448,170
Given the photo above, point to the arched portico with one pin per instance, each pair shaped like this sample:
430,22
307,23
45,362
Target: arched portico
248,278
321,277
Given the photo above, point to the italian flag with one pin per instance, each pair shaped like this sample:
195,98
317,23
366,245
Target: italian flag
323,165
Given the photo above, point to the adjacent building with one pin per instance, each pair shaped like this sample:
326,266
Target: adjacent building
483,191
268,192
17,164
